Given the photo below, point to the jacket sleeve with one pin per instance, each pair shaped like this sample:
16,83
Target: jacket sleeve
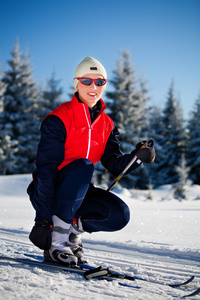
50,154
113,159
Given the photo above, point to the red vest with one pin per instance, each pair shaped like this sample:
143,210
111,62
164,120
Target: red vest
83,139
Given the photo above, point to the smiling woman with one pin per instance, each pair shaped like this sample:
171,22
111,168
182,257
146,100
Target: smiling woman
74,137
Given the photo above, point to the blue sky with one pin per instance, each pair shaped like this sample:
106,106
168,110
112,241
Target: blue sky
163,37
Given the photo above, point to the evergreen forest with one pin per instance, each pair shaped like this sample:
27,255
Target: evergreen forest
24,104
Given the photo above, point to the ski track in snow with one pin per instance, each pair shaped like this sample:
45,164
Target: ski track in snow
34,283
161,244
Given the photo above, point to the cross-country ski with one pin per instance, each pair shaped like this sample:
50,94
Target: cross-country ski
99,273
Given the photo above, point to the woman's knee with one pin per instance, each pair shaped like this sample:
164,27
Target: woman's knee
123,217
119,214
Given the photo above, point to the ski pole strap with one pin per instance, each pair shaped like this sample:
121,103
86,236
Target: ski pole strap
96,272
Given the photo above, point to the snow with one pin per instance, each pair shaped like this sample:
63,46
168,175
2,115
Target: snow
161,243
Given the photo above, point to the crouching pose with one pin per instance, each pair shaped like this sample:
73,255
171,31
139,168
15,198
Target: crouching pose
74,137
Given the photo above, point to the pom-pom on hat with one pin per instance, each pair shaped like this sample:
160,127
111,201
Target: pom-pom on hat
89,65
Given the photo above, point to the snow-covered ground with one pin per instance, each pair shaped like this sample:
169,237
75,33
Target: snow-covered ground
161,243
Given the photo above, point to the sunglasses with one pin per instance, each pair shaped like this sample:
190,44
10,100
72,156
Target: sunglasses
89,81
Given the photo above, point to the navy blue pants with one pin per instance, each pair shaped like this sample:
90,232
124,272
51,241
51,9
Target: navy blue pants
99,209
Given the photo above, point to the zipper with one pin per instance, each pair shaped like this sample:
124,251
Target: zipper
89,136
90,128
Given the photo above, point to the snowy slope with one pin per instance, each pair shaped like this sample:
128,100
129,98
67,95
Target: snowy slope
161,243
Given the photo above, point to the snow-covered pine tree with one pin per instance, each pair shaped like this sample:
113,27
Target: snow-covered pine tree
193,149
183,172
18,126
127,108
145,110
49,97
8,149
174,139
157,129
2,90
52,95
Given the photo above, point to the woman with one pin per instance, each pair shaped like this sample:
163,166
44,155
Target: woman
74,137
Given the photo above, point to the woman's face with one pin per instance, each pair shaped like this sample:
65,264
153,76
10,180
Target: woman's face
90,94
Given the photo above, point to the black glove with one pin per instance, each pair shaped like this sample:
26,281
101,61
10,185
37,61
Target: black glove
146,151
40,234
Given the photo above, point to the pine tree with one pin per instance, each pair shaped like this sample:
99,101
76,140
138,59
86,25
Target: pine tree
53,93
194,143
17,123
2,90
174,139
49,97
183,172
128,105
127,108
157,128
7,147
8,160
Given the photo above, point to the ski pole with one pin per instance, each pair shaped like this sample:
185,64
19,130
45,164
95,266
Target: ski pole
146,144
123,172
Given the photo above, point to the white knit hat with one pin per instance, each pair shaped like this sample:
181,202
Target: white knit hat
89,65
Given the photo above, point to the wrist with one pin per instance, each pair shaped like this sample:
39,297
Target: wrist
43,223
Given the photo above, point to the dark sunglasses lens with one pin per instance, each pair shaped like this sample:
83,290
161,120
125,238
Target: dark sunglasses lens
86,81
100,82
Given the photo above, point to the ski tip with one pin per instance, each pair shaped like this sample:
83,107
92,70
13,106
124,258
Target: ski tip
182,283
197,292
